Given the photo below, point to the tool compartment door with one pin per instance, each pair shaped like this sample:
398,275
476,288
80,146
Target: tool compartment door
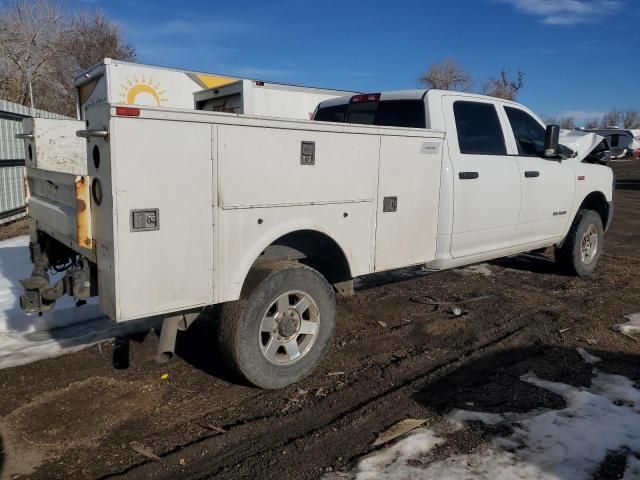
163,176
408,193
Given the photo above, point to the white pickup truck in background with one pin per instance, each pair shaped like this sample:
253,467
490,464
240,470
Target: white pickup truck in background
178,209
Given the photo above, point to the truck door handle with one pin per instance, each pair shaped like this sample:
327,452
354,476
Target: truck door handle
468,175
531,174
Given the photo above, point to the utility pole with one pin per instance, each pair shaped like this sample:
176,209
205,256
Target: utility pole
31,98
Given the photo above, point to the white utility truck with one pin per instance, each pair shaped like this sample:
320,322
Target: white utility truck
179,209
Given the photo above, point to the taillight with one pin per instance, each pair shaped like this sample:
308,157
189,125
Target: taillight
127,112
367,97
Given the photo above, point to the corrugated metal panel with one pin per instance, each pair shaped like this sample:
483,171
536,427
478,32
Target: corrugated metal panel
21,110
11,188
10,147
12,150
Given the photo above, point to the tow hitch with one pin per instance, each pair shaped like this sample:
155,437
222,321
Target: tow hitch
40,296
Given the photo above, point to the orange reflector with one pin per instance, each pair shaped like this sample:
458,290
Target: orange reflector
127,112
581,177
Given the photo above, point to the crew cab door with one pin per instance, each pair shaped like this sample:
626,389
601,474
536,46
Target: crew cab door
547,184
486,180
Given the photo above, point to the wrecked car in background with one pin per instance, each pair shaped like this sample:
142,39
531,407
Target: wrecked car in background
622,142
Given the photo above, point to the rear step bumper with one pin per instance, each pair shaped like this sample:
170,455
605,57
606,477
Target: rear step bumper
40,296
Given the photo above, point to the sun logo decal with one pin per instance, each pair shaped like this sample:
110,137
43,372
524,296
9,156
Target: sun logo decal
142,92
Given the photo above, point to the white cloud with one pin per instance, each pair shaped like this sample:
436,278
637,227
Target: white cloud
199,43
202,27
261,73
582,115
566,12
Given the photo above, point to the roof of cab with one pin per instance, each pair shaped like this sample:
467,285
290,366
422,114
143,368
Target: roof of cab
416,94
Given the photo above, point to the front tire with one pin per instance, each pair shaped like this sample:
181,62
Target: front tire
279,330
583,246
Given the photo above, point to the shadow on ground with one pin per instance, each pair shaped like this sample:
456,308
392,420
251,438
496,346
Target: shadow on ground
1,456
493,384
198,346
530,262
628,185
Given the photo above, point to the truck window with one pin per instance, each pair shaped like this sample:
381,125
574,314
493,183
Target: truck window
620,140
625,141
362,113
479,130
615,140
388,113
336,113
528,132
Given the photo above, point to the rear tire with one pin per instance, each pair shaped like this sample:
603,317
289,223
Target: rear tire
583,246
279,330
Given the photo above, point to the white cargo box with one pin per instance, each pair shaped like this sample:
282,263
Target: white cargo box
265,99
123,83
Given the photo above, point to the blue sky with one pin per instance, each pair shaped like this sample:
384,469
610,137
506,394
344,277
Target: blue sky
580,57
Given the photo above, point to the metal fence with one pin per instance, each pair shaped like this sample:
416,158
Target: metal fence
12,201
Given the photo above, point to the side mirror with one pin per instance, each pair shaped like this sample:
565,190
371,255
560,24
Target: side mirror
551,140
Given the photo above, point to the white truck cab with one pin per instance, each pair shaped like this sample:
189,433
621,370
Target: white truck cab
499,193
170,210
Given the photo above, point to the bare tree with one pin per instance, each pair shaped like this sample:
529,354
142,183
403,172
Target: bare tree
631,119
593,123
503,86
611,119
568,123
94,37
446,75
46,47
89,38
30,34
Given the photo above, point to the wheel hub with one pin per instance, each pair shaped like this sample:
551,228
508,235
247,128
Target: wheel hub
589,245
289,323
289,327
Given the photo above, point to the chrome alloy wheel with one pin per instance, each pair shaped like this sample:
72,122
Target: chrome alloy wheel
589,245
289,328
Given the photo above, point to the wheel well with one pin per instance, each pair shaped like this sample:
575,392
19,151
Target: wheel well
597,202
311,248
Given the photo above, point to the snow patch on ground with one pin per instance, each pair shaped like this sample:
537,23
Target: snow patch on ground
633,469
587,357
632,325
15,265
459,418
481,269
392,462
27,338
567,444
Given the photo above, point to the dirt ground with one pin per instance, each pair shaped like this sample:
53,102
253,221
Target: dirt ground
78,416
14,228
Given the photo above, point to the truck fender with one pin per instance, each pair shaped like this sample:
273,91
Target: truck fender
596,201
272,236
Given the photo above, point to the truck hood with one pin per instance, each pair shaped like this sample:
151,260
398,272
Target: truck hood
582,143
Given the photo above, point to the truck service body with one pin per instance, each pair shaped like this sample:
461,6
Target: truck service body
162,210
